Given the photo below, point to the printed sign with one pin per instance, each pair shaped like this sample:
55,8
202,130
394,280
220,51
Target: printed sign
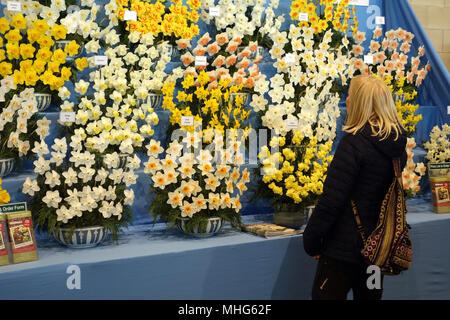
187,121
289,58
100,60
67,117
302,16
200,60
14,6
380,20
214,11
130,15
291,124
13,207
368,59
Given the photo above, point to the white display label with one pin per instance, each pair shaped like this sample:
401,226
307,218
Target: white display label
130,15
368,59
214,11
364,3
289,58
187,121
14,6
291,124
303,16
200,60
67,117
100,60
380,20
448,109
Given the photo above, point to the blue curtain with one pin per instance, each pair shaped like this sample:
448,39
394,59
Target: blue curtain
435,90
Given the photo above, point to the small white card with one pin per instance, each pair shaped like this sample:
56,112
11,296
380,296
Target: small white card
65,117
380,20
100,60
448,109
289,58
302,16
200,60
214,11
187,121
363,3
14,6
368,59
130,15
291,124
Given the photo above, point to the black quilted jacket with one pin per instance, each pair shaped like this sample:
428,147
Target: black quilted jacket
361,170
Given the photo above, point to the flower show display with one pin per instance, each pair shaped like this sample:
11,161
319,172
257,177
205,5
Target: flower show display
312,63
438,155
389,57
114,70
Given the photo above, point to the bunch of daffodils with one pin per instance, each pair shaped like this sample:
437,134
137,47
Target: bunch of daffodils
28,54
74,189
166,20
197,183
224,60
390,59
20,126
295,175
320,15
250,20
118,117
214,108
438,148
412,173
307,88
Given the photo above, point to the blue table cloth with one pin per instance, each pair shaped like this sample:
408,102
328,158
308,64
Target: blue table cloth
150,263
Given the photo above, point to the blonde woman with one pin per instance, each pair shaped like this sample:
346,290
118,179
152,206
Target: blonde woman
361,170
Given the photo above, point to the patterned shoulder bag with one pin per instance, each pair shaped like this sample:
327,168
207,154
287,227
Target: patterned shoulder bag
389,246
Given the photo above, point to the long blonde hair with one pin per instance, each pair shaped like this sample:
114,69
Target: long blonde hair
370,101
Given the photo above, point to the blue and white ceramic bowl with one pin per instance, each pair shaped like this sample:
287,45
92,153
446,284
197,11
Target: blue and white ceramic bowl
214,225
82,237
6,166
43,101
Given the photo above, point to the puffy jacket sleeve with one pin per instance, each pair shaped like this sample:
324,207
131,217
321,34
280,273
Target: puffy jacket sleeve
338,186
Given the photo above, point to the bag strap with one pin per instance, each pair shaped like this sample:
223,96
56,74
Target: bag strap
358,221
398,176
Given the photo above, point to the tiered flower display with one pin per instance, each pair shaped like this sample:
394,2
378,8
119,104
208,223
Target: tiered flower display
29,56
118,117
165,22
390,58
249,20
73,189
312,62
412,173
201,183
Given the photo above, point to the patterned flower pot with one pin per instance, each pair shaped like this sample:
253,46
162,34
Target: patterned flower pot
43,101
6,166
61,44
214,225
295,220
154,99
82,237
